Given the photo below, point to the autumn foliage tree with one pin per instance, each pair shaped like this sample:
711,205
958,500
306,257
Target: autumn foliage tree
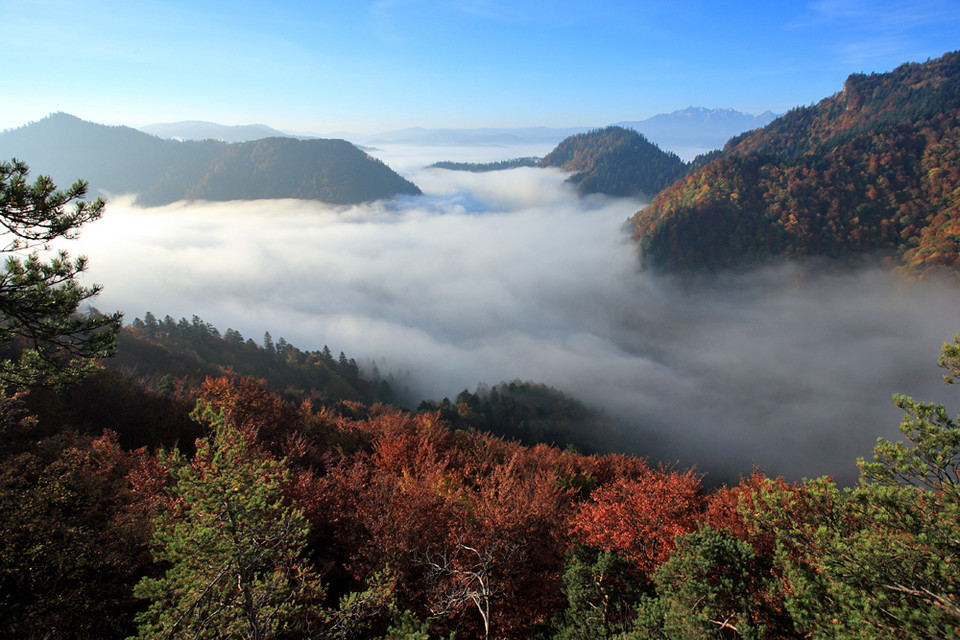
640,517
71,544
501,557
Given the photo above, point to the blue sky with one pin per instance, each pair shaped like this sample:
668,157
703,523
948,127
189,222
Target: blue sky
372,66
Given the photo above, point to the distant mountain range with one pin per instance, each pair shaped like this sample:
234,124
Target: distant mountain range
871,170
201,130
122,160
695,130
687,132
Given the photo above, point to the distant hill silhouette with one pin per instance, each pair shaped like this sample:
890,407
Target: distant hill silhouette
123,160
615,161
873,169
484,167
333,171
202,130
686,132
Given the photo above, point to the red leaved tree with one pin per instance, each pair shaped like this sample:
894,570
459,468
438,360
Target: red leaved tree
639,518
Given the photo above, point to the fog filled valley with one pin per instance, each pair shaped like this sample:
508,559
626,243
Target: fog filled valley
511,275
480,320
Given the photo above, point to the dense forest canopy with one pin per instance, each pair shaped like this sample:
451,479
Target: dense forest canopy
871,170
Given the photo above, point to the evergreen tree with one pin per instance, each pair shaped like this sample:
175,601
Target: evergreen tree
233,545
902,566
44,338
268,344
150,323
601,590
705,590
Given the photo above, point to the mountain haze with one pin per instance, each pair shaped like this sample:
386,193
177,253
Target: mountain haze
114,159
125,160
201,130
688,132
871,170
484,136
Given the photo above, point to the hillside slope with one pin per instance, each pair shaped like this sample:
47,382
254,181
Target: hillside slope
124,160
873,169
333,171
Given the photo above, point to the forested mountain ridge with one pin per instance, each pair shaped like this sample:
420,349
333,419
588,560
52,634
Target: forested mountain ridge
873,169
124,160
169,356
160,351
615,161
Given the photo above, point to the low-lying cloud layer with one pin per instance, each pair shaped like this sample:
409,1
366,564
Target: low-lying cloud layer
509,275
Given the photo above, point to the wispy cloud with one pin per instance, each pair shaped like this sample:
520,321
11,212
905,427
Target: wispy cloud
896,15
867,32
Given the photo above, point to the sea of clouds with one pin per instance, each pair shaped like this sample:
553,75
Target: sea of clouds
509,275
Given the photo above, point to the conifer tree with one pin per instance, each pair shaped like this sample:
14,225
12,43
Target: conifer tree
44,338
233,545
